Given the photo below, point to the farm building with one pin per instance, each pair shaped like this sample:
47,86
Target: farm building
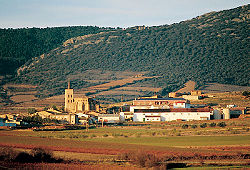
159,103
229,112
109,118
11,119
4,123
62,117
233,112
126,116
184,114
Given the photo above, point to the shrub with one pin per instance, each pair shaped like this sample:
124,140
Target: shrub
35,155
7,154
61,136
212,124
185,126
31,110
85,136
116,134
93,136
203,125
42,155
198,133
25,157
235,132
153,133
178,134
221,124
193,126
141,158
138,135
105,135
73,136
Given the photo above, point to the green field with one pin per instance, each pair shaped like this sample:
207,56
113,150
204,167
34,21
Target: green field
222,146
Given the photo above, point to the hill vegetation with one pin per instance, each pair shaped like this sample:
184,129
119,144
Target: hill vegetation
210,48
17,46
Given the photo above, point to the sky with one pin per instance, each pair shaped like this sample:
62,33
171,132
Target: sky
106,13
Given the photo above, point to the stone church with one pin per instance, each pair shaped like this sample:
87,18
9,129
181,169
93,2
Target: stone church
79,105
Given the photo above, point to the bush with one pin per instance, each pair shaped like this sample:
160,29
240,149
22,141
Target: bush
185,126
116,134
7,154
93,136
31,110
153,133
212,124
24,157
105,135
221,124
41,155
141,158
36,155
138,135
203,125
193,126
85,136
178,134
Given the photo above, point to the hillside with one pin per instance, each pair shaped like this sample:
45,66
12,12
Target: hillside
17,46
210,48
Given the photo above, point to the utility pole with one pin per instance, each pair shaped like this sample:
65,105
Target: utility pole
87,125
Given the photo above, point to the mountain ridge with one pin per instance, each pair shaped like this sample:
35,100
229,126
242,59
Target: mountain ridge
209,48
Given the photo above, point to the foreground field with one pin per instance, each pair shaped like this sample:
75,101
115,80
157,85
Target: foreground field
125,145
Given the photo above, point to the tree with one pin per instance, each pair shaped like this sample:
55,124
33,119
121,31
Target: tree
31,110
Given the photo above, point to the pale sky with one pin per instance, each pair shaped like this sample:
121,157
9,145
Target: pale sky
107,13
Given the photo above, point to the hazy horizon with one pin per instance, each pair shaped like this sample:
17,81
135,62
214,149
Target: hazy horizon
107,13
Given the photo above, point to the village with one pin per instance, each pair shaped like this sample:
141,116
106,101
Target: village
87,110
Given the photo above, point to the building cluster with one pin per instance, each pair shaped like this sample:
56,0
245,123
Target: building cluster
176,107
157,109
76,110
10,120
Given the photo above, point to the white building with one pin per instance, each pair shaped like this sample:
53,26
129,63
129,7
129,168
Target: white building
185,114
126,116
109,118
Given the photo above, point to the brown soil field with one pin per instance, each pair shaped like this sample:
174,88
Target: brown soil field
224,99
18,86
189,86
117,82
117,92
82,166
23,98
138,88
221,88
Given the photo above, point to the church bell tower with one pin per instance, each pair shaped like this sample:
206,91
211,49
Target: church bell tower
69,100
